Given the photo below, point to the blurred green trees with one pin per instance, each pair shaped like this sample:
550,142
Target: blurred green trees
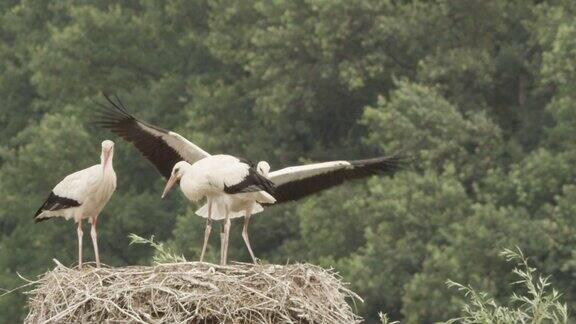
479,93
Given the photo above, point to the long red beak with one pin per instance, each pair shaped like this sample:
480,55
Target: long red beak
169,185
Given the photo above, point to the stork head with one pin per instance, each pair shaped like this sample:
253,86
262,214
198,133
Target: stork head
263,168
177,172
107,153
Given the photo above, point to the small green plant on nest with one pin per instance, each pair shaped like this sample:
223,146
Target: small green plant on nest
162,254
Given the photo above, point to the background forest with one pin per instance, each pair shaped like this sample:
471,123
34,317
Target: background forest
479,92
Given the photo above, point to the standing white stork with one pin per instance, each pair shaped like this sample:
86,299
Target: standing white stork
165,148
231,206
219,175
82,195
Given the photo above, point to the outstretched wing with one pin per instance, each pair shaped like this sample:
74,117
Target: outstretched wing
297,182
161,147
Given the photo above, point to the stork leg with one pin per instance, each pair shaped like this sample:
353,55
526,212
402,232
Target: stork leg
207,230
80,233
226,236
222,242
245,234
95,240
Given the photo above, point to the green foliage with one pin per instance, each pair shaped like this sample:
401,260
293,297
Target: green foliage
484,108
417,119
162,254
539,304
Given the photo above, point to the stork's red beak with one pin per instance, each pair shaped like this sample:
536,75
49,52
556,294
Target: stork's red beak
169,185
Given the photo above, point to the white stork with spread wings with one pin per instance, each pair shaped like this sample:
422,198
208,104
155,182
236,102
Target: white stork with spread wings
82,195
165,148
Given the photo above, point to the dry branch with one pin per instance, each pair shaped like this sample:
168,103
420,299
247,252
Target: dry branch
191,292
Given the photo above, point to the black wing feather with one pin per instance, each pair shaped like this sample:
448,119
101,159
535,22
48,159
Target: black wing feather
253,182
118,120
301,188
54,203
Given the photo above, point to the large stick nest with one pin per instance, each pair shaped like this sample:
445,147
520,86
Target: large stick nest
191,292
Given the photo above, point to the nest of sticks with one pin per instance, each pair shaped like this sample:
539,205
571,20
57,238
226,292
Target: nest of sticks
191,292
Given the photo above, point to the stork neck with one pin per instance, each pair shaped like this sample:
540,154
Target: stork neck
107,161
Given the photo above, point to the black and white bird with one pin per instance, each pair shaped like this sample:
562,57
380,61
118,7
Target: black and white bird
165,148
220,175
83,195
226,207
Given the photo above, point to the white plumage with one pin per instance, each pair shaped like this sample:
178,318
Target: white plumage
228,203
295,173
88,187
218,177
234,206
82,195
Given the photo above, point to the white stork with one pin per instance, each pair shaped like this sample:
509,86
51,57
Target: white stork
165,148
220,175
82,195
